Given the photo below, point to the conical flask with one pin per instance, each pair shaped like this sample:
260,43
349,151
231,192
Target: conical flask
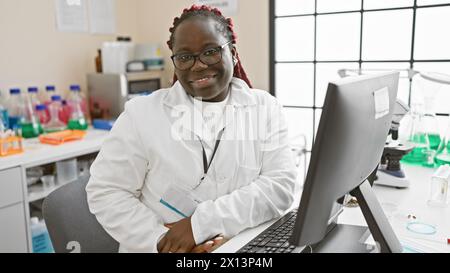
431,124
418,136
443,152
55,124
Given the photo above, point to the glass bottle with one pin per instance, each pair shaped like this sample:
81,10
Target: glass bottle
15,109
33,96
46,97
77,119
31,127
55,124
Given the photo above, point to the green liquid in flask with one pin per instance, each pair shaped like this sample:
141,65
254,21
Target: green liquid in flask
77,124
443,155
30,130
435,140
419,153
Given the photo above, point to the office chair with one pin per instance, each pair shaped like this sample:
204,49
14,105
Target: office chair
72,227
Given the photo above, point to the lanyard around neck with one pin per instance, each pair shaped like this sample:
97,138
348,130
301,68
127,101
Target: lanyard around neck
205,159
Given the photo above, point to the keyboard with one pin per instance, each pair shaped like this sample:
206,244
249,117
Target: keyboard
274,239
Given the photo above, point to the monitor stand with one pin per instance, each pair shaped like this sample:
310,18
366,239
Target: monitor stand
348,238
342,239
377,221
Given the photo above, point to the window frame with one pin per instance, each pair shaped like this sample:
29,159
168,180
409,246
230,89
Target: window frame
272,50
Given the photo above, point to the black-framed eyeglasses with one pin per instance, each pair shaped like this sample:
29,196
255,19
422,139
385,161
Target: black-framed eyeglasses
210,56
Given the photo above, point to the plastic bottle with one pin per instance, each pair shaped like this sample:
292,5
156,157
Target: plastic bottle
46,97
49,92
77,119
16,109
42,113
55,124
31,127
40,237
75,90
33,96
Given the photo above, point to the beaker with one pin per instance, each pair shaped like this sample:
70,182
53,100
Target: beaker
443,152
439,187
48,181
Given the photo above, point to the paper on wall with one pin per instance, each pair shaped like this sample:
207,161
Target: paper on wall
71,15
102,16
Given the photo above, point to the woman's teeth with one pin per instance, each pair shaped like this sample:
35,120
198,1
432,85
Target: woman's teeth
202,80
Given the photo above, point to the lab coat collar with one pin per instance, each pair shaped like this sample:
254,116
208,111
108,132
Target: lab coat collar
179,102
240,95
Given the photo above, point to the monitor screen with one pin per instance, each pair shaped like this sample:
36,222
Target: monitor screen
353,128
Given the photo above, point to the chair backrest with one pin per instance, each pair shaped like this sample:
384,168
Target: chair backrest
71,226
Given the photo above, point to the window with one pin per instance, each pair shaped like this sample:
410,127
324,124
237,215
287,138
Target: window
387,35
431,41
312,39
338,36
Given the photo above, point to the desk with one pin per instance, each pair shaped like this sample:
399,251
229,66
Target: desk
15,194
397,204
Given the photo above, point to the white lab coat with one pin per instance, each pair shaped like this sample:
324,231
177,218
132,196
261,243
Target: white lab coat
249,182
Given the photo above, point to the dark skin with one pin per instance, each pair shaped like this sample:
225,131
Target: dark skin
193,36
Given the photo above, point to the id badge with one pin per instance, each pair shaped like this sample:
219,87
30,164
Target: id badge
180,201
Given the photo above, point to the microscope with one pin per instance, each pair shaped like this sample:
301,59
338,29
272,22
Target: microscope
389,171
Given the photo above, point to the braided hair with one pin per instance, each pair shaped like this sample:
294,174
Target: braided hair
225,26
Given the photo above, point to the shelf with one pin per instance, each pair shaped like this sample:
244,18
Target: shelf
37,154
37,192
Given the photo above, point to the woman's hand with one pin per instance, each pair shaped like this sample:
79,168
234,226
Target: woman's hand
179,238
210,245
206,247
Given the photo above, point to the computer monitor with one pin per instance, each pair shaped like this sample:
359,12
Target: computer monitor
353,128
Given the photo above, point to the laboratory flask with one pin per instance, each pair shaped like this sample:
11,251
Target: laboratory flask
418,136
55,124
443,152
31,127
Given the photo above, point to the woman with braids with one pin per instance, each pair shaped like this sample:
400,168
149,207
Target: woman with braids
207,157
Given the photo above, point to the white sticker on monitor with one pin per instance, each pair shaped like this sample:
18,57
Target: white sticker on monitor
381,98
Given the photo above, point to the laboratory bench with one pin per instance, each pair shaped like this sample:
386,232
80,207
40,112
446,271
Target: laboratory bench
18,200
398,205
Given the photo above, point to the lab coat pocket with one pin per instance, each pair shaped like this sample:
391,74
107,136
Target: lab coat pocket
180,200
245,175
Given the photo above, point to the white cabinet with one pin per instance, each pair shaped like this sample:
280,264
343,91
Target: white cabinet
10,187
13,229
16,196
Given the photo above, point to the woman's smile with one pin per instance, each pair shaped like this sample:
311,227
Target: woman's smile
204,81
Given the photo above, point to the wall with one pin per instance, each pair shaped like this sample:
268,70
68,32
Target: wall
33,52
155,17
